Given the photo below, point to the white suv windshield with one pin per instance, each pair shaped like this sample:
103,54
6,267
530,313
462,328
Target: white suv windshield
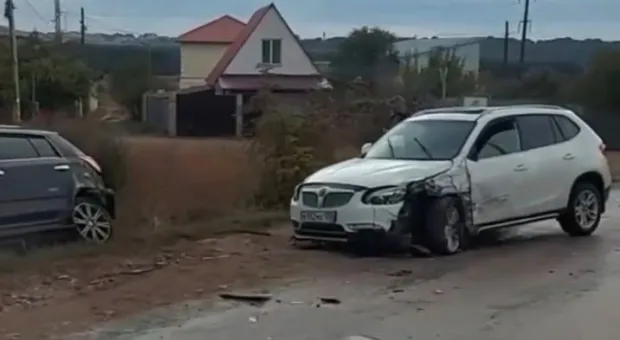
423,140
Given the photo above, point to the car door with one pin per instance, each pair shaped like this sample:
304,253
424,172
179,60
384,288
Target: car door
35,188
496,166
541,189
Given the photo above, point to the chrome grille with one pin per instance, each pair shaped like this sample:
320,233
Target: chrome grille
331,200
336,199
310,199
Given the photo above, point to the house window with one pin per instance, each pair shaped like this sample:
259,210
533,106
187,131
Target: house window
272,51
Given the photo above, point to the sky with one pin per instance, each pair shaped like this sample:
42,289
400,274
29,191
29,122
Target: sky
312,18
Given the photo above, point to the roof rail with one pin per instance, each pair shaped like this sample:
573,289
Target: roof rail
453,109
540,106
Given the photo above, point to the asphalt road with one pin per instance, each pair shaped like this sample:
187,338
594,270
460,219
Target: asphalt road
537,284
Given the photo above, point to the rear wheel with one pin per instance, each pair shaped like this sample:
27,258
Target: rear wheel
444,226
91,219
584,210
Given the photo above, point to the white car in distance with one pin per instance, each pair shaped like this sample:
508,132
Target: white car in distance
444,175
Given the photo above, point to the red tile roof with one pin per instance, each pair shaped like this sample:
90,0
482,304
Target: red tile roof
240,40
221,30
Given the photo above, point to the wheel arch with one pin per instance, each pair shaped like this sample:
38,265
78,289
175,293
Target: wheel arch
592,177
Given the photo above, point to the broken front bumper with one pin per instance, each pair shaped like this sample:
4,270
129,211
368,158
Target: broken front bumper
352,223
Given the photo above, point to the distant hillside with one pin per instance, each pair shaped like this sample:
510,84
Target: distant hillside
109,52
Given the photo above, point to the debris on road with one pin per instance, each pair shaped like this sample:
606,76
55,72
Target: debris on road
330,300
246,297
402,272
438,292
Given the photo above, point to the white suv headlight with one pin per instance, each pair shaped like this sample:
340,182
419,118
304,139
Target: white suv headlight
385,195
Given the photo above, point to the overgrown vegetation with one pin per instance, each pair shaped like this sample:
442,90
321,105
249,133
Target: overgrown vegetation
294,140
47,74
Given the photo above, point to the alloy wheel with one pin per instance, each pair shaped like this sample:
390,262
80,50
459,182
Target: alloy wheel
92,222
451,229
586,209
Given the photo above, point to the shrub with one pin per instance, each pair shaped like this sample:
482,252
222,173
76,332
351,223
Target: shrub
293,139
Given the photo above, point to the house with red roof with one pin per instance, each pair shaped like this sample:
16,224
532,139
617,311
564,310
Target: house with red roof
225,61
227,55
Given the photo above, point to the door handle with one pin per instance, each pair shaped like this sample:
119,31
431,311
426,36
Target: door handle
520,167
63,167
568,156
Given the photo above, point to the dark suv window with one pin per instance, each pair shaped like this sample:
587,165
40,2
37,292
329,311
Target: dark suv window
567,127
43,147
536,131
16,147
502,138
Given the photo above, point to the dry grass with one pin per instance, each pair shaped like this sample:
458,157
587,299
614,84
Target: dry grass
176,180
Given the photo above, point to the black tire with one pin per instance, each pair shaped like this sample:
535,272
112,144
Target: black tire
569,219
102,217
437,222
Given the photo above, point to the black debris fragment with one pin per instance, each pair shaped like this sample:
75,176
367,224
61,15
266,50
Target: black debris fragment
330,300
246,297
402,272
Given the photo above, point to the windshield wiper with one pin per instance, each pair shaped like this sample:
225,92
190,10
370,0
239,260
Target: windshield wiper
428,153
389,143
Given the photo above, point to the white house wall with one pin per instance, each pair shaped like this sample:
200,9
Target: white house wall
294,60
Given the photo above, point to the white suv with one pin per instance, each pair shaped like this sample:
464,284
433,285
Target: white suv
443,175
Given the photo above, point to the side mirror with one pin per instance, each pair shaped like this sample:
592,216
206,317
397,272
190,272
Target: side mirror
365,148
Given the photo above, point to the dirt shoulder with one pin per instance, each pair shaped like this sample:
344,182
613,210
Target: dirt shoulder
94,290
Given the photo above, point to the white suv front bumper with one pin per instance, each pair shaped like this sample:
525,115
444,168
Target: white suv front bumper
351,218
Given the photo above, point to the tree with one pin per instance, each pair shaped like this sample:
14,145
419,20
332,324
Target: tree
443,75
599,87
128,85
58,78
367,53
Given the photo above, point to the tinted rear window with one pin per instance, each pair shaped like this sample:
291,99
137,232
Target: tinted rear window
567,127
536,131
43,147
65,147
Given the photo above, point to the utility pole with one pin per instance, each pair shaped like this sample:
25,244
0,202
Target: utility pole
9,11
57,21
525,25
82,27
506,37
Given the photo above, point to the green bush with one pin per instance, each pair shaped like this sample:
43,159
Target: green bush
293,138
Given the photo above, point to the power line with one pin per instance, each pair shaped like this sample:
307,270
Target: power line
36,12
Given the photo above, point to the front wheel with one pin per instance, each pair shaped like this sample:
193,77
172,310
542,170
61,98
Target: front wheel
91,220
584,210
445,227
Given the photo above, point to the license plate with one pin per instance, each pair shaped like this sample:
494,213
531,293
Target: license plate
318,216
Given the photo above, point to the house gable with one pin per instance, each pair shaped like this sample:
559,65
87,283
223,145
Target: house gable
245,54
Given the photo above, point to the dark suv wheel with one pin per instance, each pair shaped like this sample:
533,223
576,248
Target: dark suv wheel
584,210
91,219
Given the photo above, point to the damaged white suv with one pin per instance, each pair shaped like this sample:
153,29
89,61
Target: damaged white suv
444,175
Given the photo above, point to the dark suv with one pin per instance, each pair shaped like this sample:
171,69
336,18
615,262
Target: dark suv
47,183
